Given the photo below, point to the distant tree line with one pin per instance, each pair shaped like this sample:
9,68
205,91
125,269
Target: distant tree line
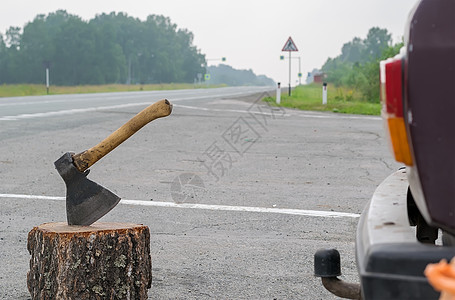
357,66
224,74
110,48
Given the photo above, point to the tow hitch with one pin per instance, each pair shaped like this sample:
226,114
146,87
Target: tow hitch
327,266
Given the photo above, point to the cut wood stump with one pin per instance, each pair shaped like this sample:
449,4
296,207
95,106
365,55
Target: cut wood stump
101,261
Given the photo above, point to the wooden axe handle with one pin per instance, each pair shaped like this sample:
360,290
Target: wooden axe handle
85,159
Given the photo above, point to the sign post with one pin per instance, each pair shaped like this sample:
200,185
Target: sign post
290,47
47,65
207,78
300,72
300,68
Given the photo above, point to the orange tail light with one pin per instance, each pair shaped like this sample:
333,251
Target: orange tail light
392,108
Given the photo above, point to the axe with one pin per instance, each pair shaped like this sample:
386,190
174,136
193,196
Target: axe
86,201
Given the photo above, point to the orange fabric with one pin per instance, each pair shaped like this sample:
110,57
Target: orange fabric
442,277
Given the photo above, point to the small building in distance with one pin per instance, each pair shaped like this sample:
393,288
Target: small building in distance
319,77
316,76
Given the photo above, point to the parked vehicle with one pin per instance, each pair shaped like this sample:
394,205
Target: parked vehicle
410,220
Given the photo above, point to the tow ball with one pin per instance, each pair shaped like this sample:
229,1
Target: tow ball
327,266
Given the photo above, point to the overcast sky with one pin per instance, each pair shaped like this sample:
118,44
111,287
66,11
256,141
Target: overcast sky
249,33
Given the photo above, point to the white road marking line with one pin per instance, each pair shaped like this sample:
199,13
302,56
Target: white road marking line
68,112
79,110
91,97
374,118
230,110
32,197
303,115
288,211
68,100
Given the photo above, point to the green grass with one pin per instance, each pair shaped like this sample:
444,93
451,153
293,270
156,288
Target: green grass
339,100
17,90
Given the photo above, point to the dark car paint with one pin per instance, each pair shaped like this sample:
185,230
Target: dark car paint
429,104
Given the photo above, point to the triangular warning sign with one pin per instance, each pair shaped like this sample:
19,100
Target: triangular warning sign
290,45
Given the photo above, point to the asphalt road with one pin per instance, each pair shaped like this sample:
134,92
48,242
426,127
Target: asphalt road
238,195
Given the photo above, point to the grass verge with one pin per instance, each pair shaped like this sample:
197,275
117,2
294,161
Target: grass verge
17,90
339,100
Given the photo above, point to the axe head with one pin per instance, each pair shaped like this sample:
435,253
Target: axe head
86,201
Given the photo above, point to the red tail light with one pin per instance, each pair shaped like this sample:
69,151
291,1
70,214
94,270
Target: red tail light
391,74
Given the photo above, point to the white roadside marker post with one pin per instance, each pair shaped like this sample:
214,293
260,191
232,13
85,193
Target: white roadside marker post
278,94
47,80
324,93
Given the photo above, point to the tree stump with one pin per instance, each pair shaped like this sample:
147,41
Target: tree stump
101,261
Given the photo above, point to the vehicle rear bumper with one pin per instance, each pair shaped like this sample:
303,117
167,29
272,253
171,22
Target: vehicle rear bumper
390,260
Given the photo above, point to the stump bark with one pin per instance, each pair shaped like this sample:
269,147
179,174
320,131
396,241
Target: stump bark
101,261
